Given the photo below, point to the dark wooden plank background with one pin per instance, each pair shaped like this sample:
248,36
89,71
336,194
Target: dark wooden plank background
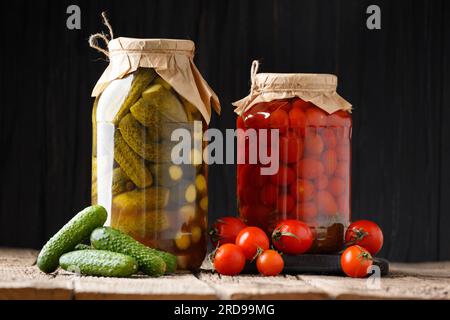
397,78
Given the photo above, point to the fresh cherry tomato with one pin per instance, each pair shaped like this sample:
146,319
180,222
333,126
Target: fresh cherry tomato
252,240
366,234
270,263
225,230
292,237
355,262
229,259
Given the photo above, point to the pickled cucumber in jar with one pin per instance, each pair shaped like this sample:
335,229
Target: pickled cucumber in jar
158,202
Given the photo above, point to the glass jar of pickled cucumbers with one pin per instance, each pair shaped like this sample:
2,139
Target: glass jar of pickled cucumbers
149,192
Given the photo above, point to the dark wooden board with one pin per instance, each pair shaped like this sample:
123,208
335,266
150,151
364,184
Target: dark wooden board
316,264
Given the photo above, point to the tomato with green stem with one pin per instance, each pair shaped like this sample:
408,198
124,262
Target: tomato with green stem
228,259
292,237
225,229
252,241
356,261
366,234
270,263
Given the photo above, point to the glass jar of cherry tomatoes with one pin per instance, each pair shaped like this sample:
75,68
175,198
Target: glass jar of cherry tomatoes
312,183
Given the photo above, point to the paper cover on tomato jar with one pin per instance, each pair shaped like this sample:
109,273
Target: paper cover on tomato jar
171,59
319,89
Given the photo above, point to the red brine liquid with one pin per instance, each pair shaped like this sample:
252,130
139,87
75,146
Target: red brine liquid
312,183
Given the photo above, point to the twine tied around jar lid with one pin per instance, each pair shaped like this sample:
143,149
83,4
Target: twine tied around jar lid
93,39
171,59
319,89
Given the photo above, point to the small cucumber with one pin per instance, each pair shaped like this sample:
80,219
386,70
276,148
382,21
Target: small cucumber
82,246
98,263
152,262
74,232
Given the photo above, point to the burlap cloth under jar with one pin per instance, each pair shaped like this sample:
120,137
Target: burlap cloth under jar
171,59
319,89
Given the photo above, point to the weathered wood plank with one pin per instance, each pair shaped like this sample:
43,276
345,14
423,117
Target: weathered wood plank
424,269
391,287
14,256
21,279
257,287
27,282
173,287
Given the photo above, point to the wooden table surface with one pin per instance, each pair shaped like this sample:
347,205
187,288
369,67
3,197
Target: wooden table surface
21,279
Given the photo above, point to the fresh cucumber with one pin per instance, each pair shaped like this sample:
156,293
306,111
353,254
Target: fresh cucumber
82,246
74,232
98,263
150,261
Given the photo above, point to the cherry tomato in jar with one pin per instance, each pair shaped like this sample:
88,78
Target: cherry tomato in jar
344,206
329,161
343,152
297,117
309,168
366,234
270,263
313,145
225,230
257,117
316,117
285,204
285,176
258,179
356,261
301,104
252,240
304,211
279,119
321,182
257,215
326,203
291,148
329,138
302,190
292,237
339,119
229,259
342,170
269,194
337,186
